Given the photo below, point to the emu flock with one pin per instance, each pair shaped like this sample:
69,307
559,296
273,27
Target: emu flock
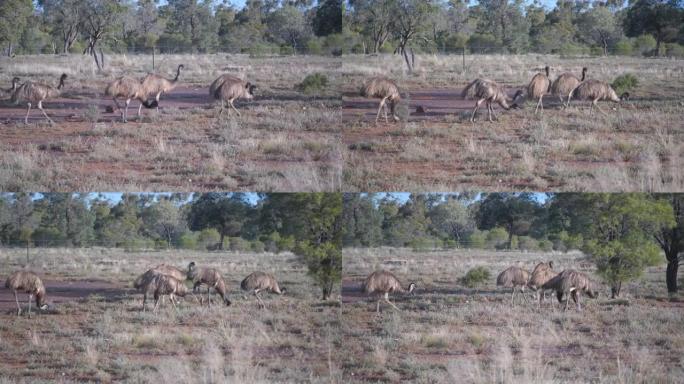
148,90
566,87
567,284
162,280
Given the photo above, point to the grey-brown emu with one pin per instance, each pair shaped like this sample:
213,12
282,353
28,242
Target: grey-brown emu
9,91
542,273
35,93
539,86
209,277
261,281
596,90
571,283
387,91
382,283
128,89
30,283
488,91
155,85
142,281
514,277
162,285
228,89
565,83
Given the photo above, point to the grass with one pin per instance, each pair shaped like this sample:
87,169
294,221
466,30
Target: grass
636,147
184,147
106,337
448,332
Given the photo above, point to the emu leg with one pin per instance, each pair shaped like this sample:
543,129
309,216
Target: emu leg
377,308
221,110
389,302
157,98
599,108
29,302
576,298
27,113
260,302
156,303
539,103
140,109
477,106
144,301
235,109
493,113
125,111
382,104
173,302
384,108
513,296
18,306
40,106
123,117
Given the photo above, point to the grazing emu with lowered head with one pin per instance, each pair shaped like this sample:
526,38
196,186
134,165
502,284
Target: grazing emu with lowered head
565,83
160,285
209,277
514,277
489,91
538,87
596,90
386,90
230,89
143,280
573,283
154,84
33,93
542,273
30,283
128,88
261,281
382,283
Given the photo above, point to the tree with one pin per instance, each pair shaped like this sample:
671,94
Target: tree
411,19
65,219
671,239
14,15
452,220
362,222
226,213
288,25
328,18
315,221
192,23
598,26
513,212
66,18
164,220
619,238
660,18
99,19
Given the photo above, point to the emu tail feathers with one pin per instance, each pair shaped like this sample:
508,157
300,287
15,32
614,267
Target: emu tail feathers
464,93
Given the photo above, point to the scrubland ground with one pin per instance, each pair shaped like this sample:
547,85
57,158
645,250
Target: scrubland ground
448,333
106,337
285,140
636,147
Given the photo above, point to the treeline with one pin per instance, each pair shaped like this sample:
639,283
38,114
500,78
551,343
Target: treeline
176,26
622,233
641,27
307,224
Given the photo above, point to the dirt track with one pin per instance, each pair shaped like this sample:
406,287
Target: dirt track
59,292
73,105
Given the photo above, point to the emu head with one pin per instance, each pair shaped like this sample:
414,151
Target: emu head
518,94
15,81
283,290
250,88
551,264
546,69
61,80
150,104
191,269
584,73
40,300
411,288
624,96
227,302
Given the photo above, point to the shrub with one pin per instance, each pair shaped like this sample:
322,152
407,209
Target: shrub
623,48
285,243
238,244
625,83
314,47
477,239
645,44
526,243
475,277
424,243
545,245
674,50
207,236
257,246
313,83
497,238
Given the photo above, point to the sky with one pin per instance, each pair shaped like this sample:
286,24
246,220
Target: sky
115,197
402,197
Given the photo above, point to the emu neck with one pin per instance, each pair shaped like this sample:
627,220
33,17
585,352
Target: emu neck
177,74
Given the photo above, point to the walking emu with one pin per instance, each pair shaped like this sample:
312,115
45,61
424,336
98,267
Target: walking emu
229,88
128,88
387,91
596,90
514,277
30,283
489,91
156,85
542,273
573,283
36,93
209,277
539,86
261,281
382,283
565,83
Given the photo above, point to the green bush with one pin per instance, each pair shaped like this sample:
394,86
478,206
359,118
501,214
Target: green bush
287,50
475,277
188,240
387,48
674,50
455,42
207,236
314,47
570,49
424,243
257,246
313,83
645,45
545,245
450,244
623,48
625,83
526,243
238,244
477,239
497,238
286,244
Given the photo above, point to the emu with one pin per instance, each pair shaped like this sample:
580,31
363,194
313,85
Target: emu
128,89
209,277
261,281
387,91
229,88
565,83
542,273
36,93
596,90
490,92
154,84
538,87
514,277
573,283
30,283
382,283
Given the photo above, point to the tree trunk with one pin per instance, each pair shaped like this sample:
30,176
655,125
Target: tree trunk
9,50
615,290
671,275
221,241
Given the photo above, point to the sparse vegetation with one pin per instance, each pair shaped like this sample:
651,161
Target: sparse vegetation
475,277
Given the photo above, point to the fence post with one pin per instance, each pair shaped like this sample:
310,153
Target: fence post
27,252
463,58
153,49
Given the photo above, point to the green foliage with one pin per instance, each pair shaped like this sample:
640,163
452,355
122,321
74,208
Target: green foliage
623,47
526,243
496,238
645,44
238,244
188,240
475,277
424,244
286,243
625,83
545,245
674,50
477,239
207,237
257,246
313,83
